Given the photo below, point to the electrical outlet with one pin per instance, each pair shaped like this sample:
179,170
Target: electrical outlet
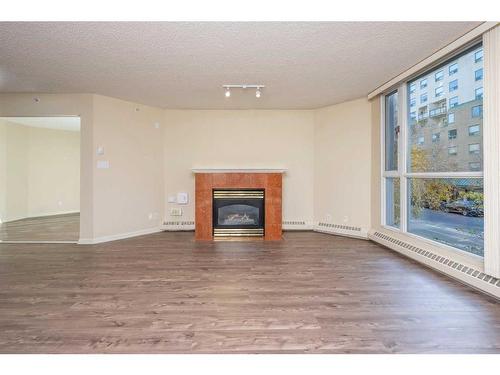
346,219
328,218
176,212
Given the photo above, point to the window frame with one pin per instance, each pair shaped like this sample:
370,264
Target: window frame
402,172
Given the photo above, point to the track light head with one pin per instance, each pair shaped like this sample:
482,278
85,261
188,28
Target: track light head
227,93
257,93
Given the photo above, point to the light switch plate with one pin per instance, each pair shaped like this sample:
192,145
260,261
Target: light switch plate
102,164
182,198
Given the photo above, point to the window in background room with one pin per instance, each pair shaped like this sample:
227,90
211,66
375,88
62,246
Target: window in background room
439,76
444,177
423,98
423,83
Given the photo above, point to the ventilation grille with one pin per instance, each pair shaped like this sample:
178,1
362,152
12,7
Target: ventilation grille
294,223
339,226
178,223
440,259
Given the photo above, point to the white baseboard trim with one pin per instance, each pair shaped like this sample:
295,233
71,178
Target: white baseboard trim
425,255
121,236
341,230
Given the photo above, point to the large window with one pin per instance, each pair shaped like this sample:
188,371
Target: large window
437,192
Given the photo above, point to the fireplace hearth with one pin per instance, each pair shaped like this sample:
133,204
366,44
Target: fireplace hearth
238,212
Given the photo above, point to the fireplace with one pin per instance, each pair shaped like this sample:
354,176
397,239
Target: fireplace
238,212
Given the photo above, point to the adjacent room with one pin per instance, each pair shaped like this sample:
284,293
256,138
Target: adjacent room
40,169
250,187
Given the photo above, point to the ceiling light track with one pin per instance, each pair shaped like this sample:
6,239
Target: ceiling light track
258,89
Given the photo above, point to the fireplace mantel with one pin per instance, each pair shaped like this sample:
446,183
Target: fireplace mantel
206,180
238,170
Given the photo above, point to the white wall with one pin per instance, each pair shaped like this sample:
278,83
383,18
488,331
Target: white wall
126,194
326,151
40,171
342,168
241,139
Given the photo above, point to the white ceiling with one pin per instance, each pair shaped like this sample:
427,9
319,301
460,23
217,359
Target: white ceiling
183,65
56,123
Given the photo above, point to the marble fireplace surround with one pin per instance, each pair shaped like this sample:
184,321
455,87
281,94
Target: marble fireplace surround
270,180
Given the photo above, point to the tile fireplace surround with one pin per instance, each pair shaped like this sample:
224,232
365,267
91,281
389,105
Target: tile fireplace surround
270,180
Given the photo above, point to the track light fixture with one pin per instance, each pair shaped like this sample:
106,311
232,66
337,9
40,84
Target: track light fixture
258,89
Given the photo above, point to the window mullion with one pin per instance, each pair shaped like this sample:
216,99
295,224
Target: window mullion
403,115
491,146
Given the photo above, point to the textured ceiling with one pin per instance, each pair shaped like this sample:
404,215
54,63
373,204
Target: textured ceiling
56,123
183,65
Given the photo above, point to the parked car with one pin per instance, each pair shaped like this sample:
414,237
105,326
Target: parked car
464,207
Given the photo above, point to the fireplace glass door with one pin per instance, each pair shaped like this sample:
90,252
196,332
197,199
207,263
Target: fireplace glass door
238,213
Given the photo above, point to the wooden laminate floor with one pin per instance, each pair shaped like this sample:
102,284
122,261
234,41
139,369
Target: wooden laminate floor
166,293
44,228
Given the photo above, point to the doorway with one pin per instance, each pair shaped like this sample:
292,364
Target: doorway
40,179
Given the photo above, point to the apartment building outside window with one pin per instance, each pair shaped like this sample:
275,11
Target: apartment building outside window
474,130
438,91
477,111
474,148
423,83
434,177
453,68
479,93
478,74
478,56
475,166
453,101
423,98
453,85
413,88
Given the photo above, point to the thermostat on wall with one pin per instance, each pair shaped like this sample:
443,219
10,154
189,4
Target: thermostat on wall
182,198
